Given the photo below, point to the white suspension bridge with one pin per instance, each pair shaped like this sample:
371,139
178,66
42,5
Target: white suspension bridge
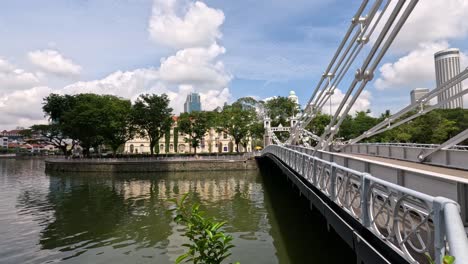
389,202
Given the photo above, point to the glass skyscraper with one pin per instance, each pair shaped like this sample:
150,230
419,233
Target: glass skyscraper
192,103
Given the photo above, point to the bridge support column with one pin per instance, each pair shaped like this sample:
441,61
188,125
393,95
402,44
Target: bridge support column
266,140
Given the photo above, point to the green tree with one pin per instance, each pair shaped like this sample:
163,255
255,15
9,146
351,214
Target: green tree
237,122
53,133
176,139
87,120
280,110
152,117
195,125
55,106
117,127
319,123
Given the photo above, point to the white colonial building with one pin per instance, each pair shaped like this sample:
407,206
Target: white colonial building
213,142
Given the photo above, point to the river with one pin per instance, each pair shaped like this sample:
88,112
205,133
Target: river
124,218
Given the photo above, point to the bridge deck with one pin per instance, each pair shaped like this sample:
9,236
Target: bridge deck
413,165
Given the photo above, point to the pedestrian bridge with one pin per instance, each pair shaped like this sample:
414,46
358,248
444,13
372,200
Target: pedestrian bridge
382,221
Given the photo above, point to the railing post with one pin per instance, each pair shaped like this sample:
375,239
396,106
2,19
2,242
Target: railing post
439,230
314,172
303,165
333,181
365,188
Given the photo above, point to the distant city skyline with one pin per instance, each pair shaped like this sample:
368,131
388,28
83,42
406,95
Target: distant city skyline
227,51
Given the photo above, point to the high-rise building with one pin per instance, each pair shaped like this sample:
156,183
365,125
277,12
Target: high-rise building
192,103
417,93
447,66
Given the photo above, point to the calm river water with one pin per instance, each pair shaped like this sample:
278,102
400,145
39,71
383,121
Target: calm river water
124,218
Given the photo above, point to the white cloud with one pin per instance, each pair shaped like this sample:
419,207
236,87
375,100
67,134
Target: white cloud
23,107
431,21
412,70
53,62
198,27
197,68
12,78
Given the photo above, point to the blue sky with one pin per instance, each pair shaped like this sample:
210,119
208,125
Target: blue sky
237,48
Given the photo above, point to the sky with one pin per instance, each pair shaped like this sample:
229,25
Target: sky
223,50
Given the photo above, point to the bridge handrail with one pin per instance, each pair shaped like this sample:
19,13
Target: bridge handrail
384,208
412,145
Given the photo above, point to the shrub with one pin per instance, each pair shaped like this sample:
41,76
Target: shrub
208,243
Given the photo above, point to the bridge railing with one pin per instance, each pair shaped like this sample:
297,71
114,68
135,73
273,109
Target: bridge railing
411,223
412,145
453,157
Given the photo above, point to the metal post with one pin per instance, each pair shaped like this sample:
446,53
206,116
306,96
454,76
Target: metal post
439,230
333,181
314,172
365,188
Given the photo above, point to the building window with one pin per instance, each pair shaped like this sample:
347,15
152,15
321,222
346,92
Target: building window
181,148
225,135
225,149
171,147
132,148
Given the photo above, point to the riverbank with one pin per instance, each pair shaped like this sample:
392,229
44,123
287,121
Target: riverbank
149,165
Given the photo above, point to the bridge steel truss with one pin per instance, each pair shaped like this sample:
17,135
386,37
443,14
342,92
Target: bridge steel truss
389,19
408,222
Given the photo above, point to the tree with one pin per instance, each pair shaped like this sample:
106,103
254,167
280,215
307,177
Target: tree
195,125
55,106
152,117
237,122
87,120
280,110
53,133
117,127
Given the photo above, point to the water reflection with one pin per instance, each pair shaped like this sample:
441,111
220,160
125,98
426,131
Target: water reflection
123,218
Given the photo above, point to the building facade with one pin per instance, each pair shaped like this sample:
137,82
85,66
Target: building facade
447,66
192,103
418,93
212,142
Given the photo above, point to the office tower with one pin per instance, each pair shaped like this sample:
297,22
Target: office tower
192,103
447,66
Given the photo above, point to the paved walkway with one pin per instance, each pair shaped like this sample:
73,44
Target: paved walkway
414,165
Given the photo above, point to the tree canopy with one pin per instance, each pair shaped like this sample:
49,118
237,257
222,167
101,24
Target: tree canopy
152,117
195,125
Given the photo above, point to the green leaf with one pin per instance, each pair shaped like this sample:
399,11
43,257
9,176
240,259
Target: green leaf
181,258
448,259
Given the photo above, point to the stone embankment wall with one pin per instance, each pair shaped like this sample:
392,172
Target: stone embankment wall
149,166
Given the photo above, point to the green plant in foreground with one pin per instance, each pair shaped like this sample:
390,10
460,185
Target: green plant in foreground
208,243
447,259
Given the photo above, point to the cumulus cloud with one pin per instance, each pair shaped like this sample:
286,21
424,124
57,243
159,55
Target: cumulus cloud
13,78
53,62
23,107
433,21
199,26
195,68
429,29
412,70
